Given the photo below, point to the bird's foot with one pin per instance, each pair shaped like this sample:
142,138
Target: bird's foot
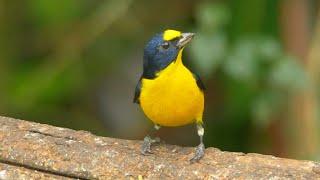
146,146
198,154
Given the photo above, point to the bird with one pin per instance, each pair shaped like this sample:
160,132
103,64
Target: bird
168,92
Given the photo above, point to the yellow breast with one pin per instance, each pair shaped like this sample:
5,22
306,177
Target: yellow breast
173,97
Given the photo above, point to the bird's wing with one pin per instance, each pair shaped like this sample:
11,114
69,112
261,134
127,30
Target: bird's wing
199,82
137,92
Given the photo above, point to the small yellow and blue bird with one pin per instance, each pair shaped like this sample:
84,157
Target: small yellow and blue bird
168,92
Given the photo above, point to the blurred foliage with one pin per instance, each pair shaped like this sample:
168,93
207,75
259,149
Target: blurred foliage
59,60
258,62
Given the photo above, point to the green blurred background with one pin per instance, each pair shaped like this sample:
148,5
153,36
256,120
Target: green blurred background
75,63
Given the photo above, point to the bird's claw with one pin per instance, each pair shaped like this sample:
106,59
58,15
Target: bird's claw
146,146
198,154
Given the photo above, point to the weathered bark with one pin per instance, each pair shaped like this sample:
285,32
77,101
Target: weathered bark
38,151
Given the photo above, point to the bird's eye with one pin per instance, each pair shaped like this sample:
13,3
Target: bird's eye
165,45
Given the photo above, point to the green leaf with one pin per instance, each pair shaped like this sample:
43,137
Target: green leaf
264,107
288,75
269,49
242,64
212,16
208,50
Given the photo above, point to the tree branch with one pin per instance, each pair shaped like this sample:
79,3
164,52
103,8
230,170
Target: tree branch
35,150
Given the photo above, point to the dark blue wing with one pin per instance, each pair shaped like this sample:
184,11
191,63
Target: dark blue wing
199,82
137,92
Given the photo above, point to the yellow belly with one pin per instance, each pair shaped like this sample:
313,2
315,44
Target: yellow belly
173,98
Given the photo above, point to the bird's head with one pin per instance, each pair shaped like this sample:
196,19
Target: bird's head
163,49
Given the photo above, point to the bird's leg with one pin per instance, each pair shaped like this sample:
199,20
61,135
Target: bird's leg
200,148
148,141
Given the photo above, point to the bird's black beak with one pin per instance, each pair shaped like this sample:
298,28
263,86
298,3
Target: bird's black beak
184,39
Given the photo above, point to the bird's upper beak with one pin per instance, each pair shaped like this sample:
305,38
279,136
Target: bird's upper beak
184,39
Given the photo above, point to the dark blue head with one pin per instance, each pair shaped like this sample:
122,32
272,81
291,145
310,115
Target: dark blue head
163,49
